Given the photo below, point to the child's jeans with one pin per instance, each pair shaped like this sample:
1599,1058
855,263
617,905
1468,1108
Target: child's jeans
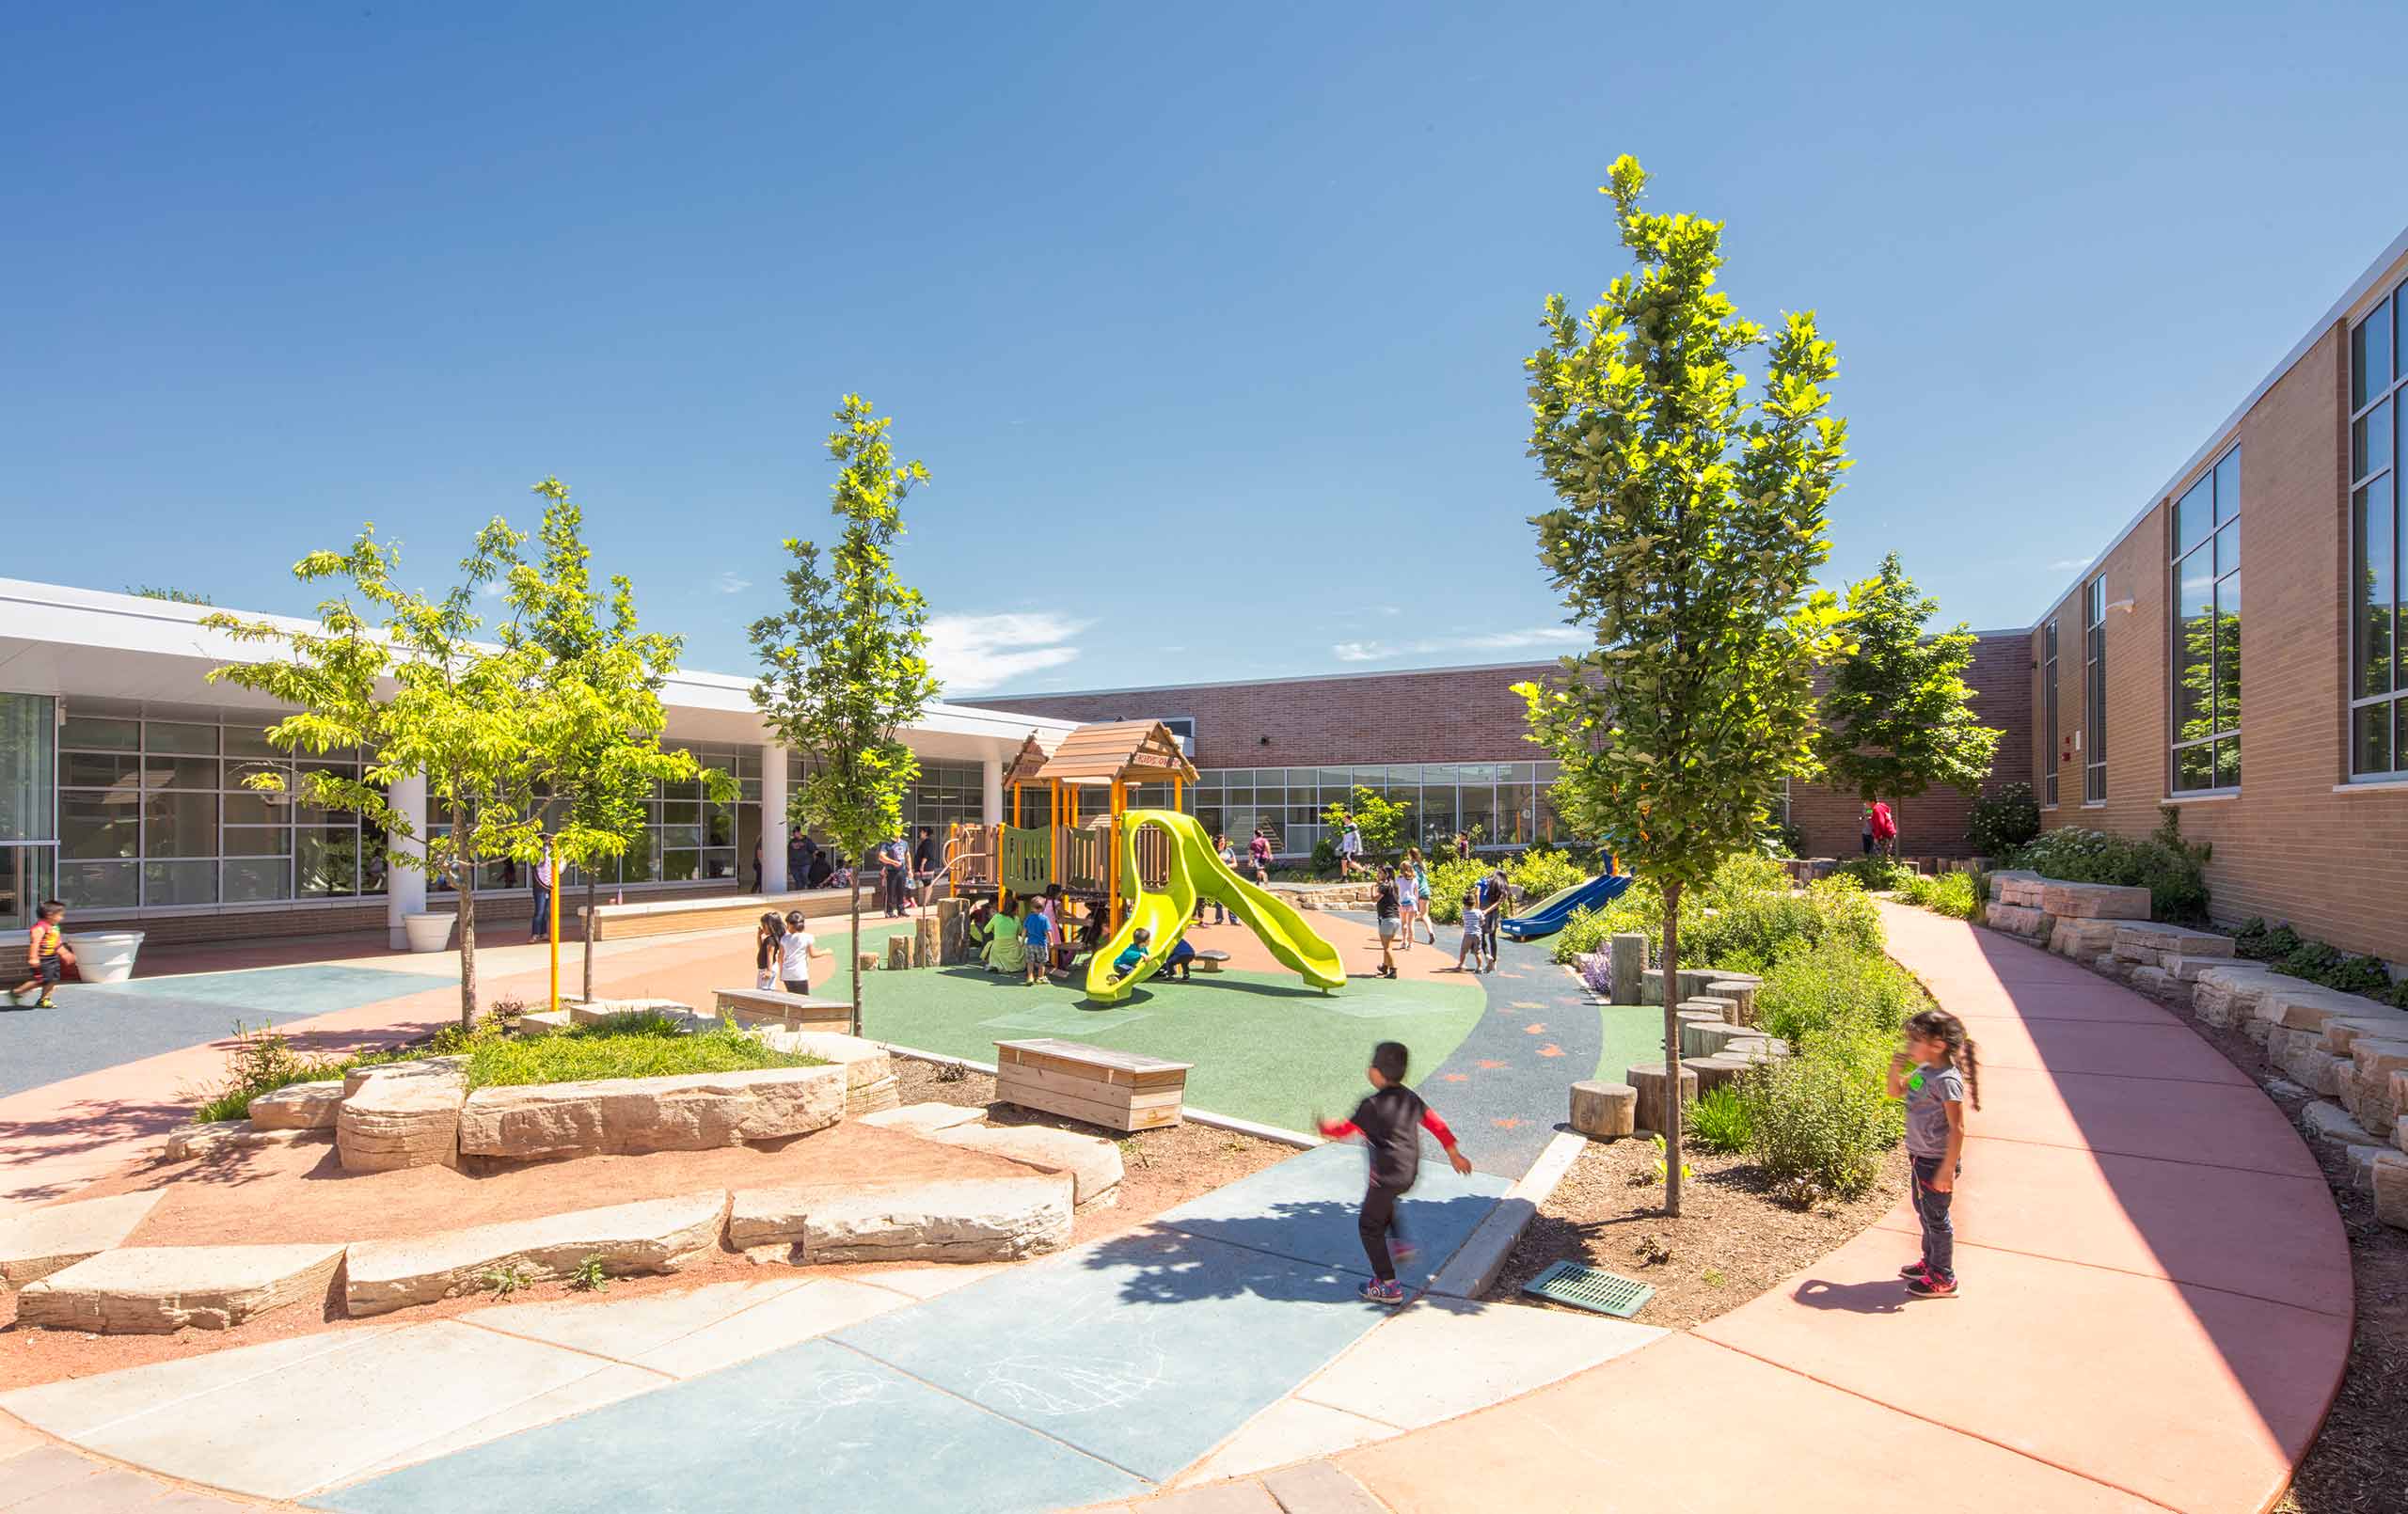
1379,1218
1938,1234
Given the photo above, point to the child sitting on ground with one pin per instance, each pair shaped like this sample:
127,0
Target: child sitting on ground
1390,1123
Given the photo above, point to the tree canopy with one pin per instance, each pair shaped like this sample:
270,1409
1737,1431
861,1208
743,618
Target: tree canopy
1898,716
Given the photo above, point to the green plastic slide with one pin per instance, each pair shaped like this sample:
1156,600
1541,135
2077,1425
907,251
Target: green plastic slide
1196,871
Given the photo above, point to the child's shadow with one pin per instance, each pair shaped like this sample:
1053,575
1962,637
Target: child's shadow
1853,1298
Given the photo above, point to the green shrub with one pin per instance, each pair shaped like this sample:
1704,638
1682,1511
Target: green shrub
1449,881
1875,874
1746,918
1543,870
1999,823
2257,942
2173,870
1838,987
1822,1115
639,1045
1718,1120
1949,893
262,1061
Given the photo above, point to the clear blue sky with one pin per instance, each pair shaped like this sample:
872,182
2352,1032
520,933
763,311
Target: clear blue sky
1208,327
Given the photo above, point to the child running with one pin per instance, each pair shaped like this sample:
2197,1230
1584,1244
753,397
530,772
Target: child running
1390,1123
46,954
1934,1074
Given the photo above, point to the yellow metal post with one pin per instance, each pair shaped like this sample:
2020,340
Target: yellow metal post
553,895
1112,872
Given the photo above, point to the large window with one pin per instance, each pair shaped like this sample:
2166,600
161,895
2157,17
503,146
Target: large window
944,793
155,813
2207,630
2378,662
28,740
2049,715
1505,803
2094,653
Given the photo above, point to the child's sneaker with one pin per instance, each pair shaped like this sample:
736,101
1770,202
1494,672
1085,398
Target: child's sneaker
1914,1269
1378,1293
1930,1287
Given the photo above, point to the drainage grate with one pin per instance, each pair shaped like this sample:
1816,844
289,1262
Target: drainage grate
1591,1288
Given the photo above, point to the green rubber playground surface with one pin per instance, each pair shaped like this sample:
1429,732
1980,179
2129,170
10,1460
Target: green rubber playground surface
1634,1033
1263,1048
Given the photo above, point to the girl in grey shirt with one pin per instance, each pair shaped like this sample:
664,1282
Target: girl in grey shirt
1936,1073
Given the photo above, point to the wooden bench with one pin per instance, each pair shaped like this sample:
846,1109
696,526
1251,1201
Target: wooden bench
1117,1090
793,1012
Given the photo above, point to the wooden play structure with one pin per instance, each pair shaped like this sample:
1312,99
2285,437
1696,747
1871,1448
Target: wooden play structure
1065,826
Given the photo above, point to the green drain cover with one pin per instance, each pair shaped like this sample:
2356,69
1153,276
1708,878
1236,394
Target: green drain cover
1591,1288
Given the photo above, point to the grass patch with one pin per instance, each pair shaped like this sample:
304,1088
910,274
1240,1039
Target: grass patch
1950,893
262,1061
637,1045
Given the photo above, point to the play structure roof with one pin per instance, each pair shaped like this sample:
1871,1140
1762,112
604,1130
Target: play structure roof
1027,763
1133,752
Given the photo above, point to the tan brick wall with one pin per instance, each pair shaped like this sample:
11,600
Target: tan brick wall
2287,847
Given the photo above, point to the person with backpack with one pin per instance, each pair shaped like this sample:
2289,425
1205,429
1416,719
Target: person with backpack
1885,829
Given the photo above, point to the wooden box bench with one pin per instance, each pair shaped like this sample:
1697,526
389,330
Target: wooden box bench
793,1012
1117,1090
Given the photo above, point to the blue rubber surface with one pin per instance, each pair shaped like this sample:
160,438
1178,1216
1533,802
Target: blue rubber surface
100,1025
1053,1385
1550,916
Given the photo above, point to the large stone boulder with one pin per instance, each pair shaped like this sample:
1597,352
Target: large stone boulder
2229,995
2015,886
2390,1188
299,1107
34,1244
2020,919
2372,1063
870,1084
2151,944
926,1119
1094,1165
942,1220
690,1112
217,1138
157,1290
2083,938
404,1115
2092,900
602,1011
649,1235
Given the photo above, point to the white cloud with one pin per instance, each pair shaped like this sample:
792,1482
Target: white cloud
2068,565
973,653
1536,636
728,583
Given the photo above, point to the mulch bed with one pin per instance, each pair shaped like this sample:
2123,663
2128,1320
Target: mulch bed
1734,1239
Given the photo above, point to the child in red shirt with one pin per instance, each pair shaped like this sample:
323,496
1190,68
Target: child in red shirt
1390,1123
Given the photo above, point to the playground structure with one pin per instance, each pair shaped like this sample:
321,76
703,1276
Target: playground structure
1552,913
1138,868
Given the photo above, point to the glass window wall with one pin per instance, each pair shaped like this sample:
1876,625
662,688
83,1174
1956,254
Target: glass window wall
2207,630
2377,611
1501,804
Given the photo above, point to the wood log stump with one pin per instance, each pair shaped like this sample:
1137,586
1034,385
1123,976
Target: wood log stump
898,953
1742,994
953,933
1647,1080
924,942
1712,1072
1703,1038
1722,1005
865,961
1604,1111
1629,960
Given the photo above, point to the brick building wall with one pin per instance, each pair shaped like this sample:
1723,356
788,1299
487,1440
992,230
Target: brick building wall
2296,843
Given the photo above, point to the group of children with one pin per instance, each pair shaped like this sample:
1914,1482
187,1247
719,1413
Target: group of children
1033,935
781,953
1936,1073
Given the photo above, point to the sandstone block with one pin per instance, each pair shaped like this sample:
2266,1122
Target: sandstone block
187,1141
2362,1160
2185,967
544,1022
1604,1111
2329,1121
2094,901
1653,1109
926,1119
2343,1031
596,1011
2083,938
2020,919
2152,982
157,1290
406,1114
2391,1188
690,1112
2373,1066
2314,1070
870,1084
2017,888
650,1236
2148,942
960,1220
299,1107
34,1244
1093,1164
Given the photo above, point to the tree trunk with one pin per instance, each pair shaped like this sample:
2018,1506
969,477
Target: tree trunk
467,889
856,950
593,894
1671,1050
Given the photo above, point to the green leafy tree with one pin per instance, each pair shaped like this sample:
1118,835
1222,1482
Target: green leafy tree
1384,823
403,678
1688,527
845,665
599,680
173,596
1898,716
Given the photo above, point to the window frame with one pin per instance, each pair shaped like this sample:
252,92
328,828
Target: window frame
2220,575
2388,396
2049,714
2093,691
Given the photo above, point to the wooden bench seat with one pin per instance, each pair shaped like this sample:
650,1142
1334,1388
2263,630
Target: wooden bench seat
1117,1090
793,1012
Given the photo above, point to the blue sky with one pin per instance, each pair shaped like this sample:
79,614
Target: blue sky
1209,326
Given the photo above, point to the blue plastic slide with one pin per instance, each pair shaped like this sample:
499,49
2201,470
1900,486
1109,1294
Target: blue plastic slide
1551,912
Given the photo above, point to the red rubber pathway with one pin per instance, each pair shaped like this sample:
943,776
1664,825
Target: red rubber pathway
2155,1314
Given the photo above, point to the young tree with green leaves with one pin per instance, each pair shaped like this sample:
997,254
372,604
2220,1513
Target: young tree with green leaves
845,665
1688,527
1382,823
598,683
404,679
1898,716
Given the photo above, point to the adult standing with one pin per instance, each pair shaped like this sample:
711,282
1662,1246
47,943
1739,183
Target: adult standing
541,877
1885,829
890,873
924,865
1495,894
1258,851
797,859
1350,850
760,878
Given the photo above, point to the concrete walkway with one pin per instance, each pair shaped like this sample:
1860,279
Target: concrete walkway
2156,1310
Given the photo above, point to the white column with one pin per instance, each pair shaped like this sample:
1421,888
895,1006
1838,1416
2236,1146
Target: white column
773,820
991,790
406,887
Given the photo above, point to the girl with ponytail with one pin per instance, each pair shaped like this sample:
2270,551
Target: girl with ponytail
1935,1075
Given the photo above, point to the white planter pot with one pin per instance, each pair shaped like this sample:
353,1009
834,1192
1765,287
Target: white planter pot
105,956
430,932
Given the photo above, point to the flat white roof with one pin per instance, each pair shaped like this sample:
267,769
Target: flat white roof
59,640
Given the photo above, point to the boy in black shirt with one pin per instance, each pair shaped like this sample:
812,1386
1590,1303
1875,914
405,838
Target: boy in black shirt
1390,1123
